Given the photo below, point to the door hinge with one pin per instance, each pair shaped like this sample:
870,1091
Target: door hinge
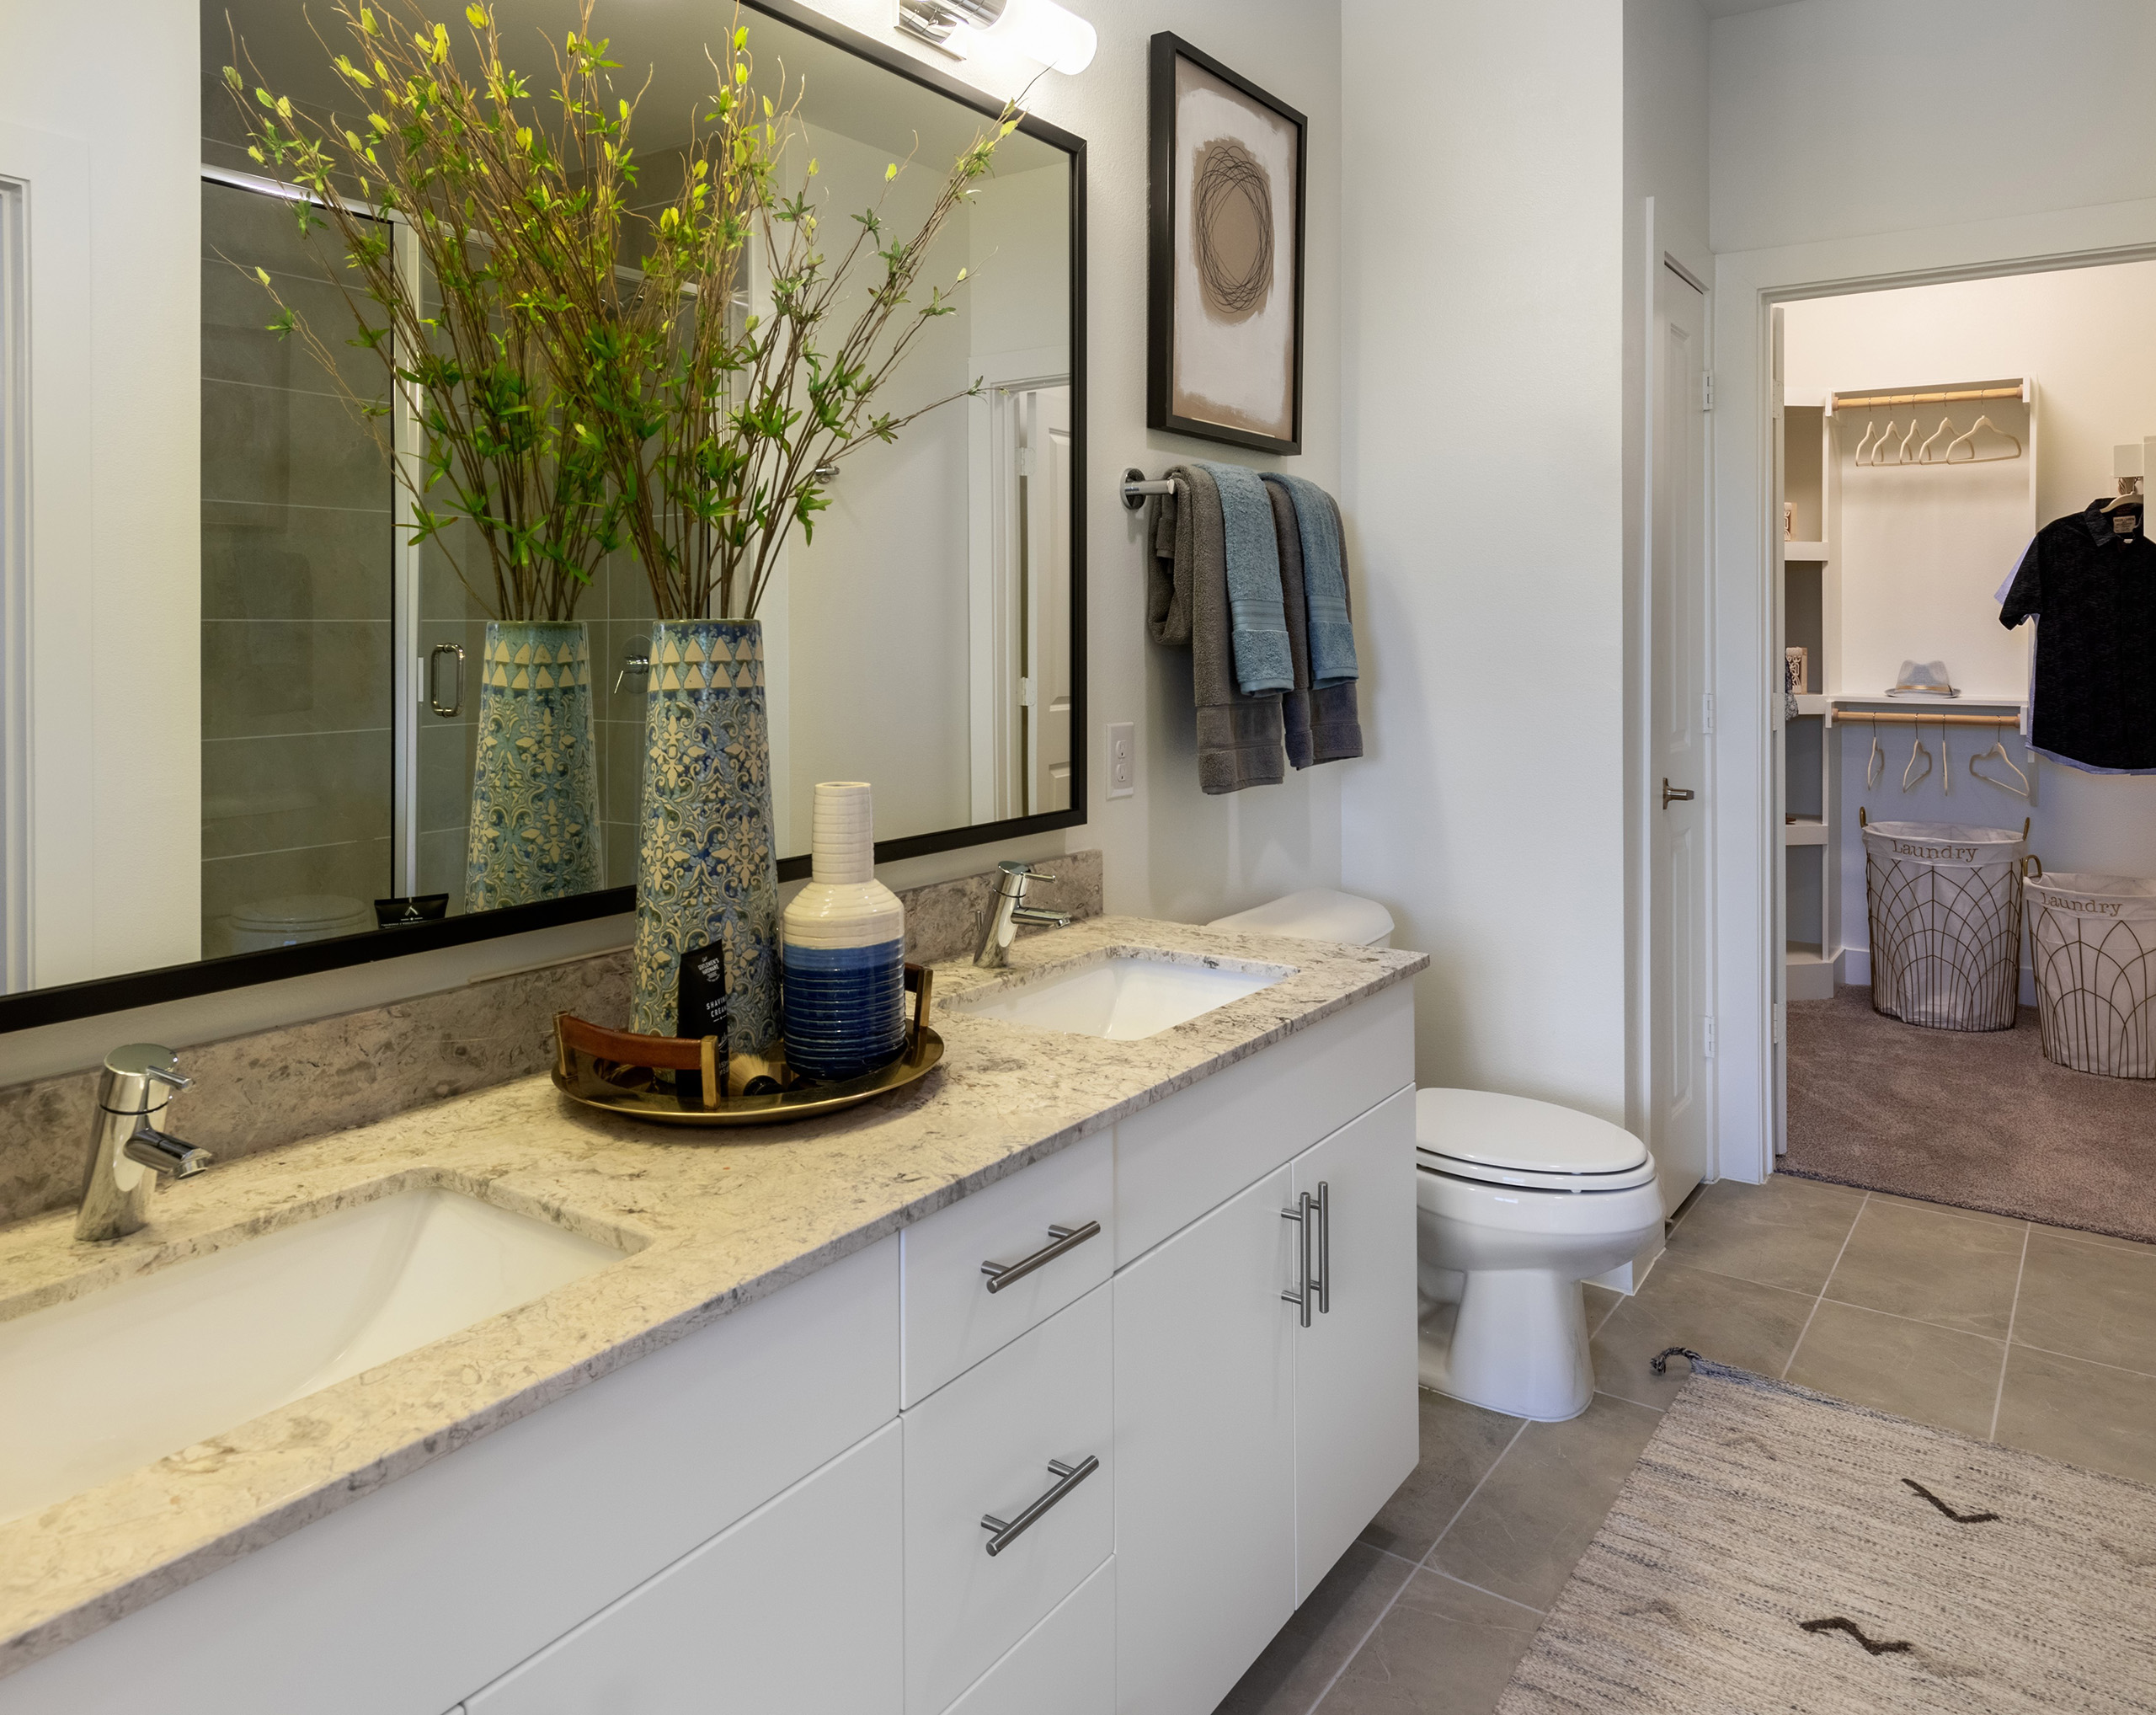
1707,1035
1706,389
1025,693
1707,714
1775,1022
1025,461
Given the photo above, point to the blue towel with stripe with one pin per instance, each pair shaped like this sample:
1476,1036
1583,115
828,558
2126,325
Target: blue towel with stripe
1325,583
1256,612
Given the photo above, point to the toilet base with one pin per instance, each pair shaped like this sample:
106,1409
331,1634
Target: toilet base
1515,1342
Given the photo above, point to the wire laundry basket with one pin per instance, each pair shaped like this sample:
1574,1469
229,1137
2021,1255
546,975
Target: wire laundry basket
2092,939
1945,904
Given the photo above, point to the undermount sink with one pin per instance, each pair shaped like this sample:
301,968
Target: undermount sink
99,1385
1122,995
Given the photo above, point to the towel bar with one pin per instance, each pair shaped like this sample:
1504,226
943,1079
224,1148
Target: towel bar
1135,488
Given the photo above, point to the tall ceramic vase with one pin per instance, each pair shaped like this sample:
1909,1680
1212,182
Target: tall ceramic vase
535,802
707,866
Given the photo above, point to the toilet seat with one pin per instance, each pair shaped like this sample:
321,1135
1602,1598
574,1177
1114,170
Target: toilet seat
1491,1139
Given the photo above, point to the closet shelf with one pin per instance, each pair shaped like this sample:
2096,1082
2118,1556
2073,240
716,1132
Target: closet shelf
1807,551
1804,830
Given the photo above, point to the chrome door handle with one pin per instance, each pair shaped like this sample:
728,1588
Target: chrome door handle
1674,794
434,697
1067,1478
1302,1214
1324,1249
1060,1240
1313,1217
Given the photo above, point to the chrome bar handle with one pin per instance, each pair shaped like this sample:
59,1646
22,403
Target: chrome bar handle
1324,1249
1005,1532
434,697
1303,1214
1061,1239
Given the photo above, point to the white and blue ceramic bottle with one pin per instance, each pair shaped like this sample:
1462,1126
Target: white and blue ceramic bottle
844,948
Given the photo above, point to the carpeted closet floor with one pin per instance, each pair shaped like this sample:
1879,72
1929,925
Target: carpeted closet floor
1979,1120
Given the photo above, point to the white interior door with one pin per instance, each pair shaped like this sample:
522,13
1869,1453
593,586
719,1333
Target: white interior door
1047,480
1678,1104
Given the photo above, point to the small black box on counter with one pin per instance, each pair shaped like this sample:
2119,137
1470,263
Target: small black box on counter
701,1011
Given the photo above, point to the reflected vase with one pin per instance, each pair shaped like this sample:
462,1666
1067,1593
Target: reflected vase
534,831
706,863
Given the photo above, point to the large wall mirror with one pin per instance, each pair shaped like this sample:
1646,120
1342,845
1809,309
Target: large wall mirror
929,639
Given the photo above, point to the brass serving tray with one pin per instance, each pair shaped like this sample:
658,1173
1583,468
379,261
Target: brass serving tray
637,1097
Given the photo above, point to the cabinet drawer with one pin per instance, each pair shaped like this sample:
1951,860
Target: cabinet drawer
1065,1665
796,1607
983,1446
1181,1157
952,1321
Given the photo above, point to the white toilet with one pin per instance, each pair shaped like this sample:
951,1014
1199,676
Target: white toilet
1519,1201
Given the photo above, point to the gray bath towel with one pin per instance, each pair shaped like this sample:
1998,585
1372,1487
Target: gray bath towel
1319,725
1239,737
1253,560
1325,581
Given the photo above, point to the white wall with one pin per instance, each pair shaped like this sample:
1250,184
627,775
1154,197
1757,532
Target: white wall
2089,337
1484,378
1836,117
122,88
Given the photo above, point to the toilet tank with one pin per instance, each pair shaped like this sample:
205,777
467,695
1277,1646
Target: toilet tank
1317,914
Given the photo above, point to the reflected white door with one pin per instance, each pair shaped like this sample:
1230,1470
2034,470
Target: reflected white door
1678,1103
1048,502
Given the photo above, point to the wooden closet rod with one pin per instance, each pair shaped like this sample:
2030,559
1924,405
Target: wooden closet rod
1851,717
1857,402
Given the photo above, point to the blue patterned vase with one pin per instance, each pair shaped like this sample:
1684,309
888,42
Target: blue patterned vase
706,870
535,802
845,936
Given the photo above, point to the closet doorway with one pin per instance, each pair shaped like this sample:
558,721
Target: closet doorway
1962,1027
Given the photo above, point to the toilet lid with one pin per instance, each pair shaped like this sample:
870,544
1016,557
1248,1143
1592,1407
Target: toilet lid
1429,1162
302,911
1481,1135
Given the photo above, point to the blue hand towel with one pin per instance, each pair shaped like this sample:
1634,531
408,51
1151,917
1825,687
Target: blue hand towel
1260,621
1325,583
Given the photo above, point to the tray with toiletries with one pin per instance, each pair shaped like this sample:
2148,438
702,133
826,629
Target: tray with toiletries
686,1081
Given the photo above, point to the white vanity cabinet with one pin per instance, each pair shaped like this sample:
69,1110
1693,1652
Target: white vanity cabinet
784,1510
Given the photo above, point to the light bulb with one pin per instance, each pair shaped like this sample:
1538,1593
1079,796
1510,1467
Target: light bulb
1042,30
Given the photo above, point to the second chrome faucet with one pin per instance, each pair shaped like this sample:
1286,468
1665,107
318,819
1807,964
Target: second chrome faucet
129,1154
1008,909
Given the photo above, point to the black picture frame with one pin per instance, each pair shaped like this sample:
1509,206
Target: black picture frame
1166,49
84,1000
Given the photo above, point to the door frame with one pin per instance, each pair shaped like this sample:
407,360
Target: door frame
1749,284
1666,245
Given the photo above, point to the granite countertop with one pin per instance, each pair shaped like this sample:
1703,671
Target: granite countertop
711,1221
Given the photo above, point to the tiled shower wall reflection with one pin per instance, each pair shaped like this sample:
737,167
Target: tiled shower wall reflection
297,745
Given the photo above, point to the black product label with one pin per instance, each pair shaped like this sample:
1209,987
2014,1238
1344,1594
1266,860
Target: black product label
703,994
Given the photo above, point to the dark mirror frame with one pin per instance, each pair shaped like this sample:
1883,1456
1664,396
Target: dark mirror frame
109,994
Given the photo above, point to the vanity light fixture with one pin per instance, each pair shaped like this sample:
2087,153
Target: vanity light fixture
1035,29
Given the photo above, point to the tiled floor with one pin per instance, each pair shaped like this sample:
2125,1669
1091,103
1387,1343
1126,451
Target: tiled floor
2032,1336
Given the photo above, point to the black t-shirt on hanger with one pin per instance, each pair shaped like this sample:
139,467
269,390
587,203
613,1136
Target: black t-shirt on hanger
2094,593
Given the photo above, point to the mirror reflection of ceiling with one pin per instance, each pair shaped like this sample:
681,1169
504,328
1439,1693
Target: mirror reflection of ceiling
660,40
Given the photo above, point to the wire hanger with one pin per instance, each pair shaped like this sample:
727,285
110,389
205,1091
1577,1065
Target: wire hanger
1999,750
1910,779
1969,440
1875,765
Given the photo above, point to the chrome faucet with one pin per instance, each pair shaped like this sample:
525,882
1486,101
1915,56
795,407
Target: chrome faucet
1008,909
129,1152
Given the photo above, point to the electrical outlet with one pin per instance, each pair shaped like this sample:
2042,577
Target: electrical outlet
1122,759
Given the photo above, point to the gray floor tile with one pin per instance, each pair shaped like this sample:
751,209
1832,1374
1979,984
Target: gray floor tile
2092,1301
1932,1375
1787,1232
1289,1678
2012,1220
1460,1442
1444,1649
2105,1239
1719,1316
1533,1519
1910,1260
2084,1413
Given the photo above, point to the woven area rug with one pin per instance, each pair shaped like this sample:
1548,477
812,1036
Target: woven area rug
1981,1120
1778,1550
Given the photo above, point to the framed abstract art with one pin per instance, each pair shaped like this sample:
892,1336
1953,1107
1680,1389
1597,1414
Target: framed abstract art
1224,347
